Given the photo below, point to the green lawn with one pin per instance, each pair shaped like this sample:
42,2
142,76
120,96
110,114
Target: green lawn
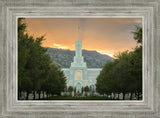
76,98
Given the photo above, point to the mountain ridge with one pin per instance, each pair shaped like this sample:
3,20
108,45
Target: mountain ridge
64,57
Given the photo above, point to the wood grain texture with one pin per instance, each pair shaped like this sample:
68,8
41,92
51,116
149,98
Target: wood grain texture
11,108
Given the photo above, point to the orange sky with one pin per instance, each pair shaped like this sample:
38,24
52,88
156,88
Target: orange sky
105,35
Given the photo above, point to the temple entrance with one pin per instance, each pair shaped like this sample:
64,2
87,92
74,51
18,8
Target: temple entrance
78,88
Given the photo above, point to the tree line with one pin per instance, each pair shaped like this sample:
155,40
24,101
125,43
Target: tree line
36,71
124,74
83,89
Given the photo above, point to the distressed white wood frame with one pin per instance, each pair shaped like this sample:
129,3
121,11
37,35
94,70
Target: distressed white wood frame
13,9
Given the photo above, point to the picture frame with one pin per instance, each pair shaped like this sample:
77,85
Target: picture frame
12,10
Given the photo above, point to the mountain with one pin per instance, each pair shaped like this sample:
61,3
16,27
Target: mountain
65,57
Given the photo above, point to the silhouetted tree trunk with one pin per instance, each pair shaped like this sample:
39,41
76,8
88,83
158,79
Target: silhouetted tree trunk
27,96
123,96
138,95
34,95
43,94
114,96
39,95
131,96
135,96
118,96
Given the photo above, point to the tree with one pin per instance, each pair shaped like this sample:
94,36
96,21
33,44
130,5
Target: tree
137,70
26,86
70,89
38,63
137,60
124,74
35,68
86,88
23,55
55,82
138,34
104,85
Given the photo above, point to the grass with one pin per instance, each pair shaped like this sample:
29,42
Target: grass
76,98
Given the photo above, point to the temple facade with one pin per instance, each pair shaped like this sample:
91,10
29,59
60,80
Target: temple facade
78,75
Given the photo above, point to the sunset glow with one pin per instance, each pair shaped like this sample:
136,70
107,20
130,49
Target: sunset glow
60,46
104,35
106,53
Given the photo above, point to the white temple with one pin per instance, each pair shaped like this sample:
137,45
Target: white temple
78,75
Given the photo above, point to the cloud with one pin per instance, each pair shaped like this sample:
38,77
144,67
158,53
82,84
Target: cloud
109,35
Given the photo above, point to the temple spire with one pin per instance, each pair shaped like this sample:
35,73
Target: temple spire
78,31
78,58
